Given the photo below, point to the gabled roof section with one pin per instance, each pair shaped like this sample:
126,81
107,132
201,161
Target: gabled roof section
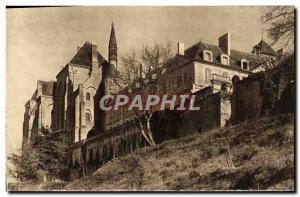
34,95
84,56
264,48
195,52
48,87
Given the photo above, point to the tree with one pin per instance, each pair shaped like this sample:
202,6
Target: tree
41,160
280,25
143,70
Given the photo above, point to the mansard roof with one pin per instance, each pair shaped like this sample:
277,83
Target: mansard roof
195,52
264,48
84,56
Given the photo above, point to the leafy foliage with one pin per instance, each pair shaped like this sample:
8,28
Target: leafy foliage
42,159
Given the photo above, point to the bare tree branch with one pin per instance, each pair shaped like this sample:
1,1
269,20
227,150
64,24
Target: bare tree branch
280,25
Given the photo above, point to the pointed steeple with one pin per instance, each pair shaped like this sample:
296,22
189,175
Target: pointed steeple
112,39
112,47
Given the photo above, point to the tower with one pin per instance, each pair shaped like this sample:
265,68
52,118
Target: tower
112,48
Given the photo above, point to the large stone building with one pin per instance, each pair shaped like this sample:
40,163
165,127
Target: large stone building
70,106
39,111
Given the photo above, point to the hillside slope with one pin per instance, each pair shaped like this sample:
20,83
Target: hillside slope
257,155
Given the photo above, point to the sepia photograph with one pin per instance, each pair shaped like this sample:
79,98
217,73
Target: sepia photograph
150,99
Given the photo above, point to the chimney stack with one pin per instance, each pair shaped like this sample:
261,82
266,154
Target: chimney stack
224,43
39,88
94,52
180,48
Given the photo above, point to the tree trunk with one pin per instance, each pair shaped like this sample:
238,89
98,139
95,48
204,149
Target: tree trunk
144,134
149,131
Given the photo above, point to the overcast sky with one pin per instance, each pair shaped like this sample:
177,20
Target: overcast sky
40,41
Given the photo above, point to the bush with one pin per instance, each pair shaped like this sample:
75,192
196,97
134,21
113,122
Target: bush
41,160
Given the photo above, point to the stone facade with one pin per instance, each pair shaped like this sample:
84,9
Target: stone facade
77,84
215,112
71,108
38,111
265,93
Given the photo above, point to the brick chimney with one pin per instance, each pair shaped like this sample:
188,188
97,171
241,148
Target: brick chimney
180,48
224,43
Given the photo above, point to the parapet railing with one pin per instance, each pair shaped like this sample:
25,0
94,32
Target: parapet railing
121,129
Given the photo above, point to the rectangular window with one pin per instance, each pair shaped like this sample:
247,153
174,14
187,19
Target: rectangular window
207,75
245,65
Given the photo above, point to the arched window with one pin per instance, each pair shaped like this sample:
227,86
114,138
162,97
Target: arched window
208,75
207,56
88,117
224,60
87,96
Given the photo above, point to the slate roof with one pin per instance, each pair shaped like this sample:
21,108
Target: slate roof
84,56
264,48
110,71
176,62
195,52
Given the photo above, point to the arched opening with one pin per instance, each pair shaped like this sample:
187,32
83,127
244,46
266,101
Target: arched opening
120,150
88,116
87,96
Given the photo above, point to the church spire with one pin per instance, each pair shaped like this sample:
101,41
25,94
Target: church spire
112,47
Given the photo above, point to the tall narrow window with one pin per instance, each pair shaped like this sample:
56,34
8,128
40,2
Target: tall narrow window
88,117
207,75
87,96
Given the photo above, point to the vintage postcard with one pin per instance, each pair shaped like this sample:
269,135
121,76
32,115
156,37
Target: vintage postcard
164,98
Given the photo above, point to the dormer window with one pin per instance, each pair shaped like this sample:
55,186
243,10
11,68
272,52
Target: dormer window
225,60
207,56
244,64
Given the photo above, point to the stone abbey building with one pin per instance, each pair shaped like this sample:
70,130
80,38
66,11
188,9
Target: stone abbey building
69,106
